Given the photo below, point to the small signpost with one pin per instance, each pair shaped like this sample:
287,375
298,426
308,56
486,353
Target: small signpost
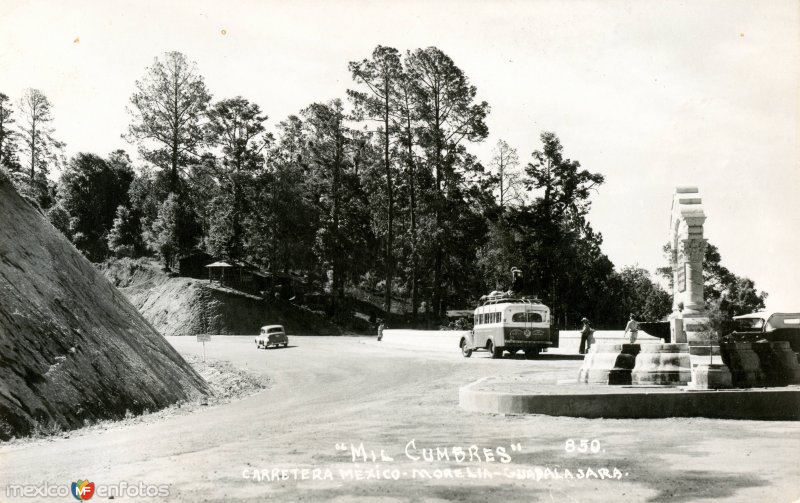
204,338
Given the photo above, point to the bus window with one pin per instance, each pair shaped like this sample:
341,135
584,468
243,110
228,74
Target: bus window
527,317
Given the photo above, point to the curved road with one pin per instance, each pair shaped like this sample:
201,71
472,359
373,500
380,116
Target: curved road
329,392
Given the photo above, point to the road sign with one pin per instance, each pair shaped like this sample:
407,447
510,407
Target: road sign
204,338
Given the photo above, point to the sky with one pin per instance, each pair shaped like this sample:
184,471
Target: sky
652,94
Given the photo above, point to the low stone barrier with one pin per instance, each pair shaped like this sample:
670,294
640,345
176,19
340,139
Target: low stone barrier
447,340
431,340
570,340
782,404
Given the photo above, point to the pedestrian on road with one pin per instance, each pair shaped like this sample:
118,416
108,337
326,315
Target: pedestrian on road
586,336
633,328
380,329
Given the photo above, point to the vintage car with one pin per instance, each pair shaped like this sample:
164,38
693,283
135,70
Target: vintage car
272,335
769,325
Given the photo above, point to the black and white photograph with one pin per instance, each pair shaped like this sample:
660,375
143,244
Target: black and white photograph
377,251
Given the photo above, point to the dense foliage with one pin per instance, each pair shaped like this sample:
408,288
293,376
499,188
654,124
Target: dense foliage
380,193
724,291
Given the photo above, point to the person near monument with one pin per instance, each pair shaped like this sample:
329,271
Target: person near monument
381,326
586,336
633,328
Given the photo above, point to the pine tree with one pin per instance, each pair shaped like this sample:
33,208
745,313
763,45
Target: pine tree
166,112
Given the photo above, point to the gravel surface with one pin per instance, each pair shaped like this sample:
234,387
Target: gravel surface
297,439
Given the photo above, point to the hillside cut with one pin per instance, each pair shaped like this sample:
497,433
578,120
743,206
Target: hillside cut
189,306
72,348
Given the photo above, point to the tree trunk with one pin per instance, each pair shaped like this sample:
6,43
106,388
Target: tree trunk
336,288
387,300
2,138
413,213
173,178
438,201
33,147
413,210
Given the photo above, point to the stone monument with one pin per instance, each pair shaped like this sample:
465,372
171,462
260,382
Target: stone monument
688,247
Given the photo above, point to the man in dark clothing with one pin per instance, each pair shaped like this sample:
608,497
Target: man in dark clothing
517,281
586,334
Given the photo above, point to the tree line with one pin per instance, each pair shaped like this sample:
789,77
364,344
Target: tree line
378,191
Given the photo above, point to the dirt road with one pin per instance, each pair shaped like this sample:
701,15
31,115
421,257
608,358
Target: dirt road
296,440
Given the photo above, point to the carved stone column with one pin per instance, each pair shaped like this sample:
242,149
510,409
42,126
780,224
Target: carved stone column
676,301
688,248
693,251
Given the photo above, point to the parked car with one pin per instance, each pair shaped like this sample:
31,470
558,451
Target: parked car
771,326
272,335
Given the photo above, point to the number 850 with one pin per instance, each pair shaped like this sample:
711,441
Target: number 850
582,445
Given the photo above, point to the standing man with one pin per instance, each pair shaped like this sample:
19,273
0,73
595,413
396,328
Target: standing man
380,329
517,282
633,328
586,334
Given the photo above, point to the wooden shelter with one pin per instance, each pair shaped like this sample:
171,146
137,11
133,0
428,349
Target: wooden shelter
216,271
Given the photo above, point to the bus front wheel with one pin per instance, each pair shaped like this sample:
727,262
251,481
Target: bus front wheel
496,352
465,349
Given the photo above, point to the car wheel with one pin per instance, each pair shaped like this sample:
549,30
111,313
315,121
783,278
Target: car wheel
496,352
465,349
286,344
532,353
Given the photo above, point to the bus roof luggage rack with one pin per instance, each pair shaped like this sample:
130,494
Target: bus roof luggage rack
506,297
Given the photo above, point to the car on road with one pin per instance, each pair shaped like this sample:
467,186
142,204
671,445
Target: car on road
272,335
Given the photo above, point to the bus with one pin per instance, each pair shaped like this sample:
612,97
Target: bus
507,323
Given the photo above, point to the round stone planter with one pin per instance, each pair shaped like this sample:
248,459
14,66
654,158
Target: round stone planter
743,364
778,362
788,360
711,376
662,365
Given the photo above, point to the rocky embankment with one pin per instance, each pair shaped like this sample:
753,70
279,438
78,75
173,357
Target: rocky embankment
73,350
188,306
